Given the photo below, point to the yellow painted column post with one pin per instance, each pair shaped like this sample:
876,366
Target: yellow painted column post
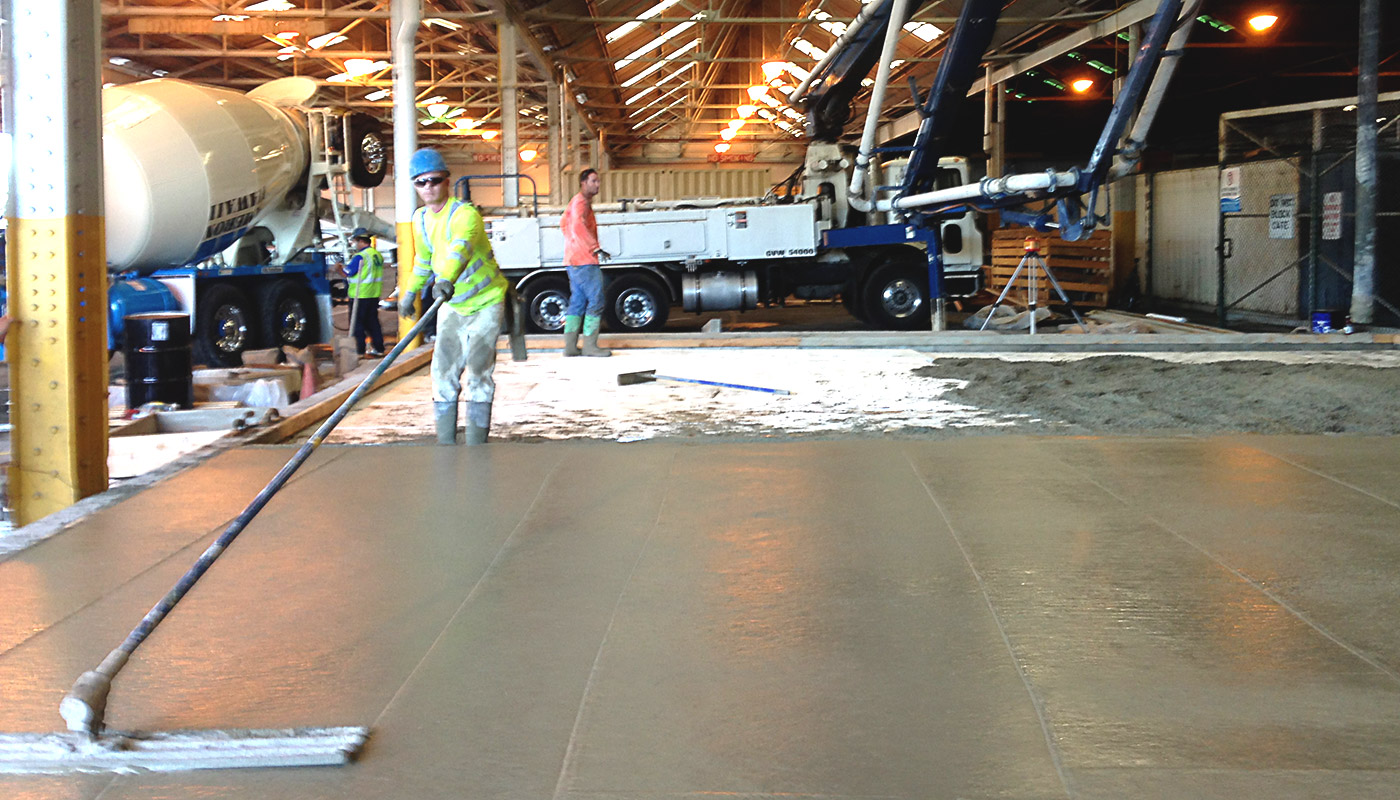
406,18
57,276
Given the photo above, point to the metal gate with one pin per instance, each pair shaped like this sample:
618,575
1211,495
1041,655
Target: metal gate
1287,209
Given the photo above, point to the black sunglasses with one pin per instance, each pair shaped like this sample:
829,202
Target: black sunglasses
428,181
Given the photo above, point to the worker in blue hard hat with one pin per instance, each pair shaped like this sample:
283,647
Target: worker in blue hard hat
366,273
453,251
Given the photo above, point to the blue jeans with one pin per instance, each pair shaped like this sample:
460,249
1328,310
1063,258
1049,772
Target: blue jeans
585,291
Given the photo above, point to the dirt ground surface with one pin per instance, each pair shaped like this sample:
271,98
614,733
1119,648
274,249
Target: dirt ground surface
1134,394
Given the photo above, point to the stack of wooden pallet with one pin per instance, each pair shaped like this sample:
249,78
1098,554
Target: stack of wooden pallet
1084,269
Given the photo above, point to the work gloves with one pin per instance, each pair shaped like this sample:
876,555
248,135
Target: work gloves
406,304
442,290
602,255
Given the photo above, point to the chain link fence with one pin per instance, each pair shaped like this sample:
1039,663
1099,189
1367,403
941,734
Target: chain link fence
1286,231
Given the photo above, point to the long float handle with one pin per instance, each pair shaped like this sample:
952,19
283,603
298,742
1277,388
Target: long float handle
83,707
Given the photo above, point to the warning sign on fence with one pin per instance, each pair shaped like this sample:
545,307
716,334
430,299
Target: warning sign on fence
1332,216
1282,211
1230,190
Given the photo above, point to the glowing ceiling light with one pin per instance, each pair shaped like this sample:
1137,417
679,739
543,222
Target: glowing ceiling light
489,135
271,5
722,147
727,134
757,92
528,154
377,94
1082,85
1262,22
746,110
736,124
772,69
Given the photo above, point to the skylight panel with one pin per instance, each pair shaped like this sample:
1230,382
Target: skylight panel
658,113
627,27
924,30
808,49
643,93
685,48
657,42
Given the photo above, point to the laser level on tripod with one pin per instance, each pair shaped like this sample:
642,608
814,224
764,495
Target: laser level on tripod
1030,263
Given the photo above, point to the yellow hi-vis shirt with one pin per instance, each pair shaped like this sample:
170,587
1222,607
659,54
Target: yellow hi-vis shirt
452,245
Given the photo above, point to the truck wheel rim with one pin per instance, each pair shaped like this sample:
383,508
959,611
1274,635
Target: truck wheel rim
635,309
902,298
372,148
547,312
293,321
231,329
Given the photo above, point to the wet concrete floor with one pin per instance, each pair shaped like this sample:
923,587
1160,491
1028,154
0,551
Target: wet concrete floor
1002,617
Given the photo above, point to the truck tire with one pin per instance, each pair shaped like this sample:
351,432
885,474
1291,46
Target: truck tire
636,302
287,313
367,152
223,326
896,297
546,300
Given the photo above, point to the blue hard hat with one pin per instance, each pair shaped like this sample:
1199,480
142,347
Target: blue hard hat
360,233
426,160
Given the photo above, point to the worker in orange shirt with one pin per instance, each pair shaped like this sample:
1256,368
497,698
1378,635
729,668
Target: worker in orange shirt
582,254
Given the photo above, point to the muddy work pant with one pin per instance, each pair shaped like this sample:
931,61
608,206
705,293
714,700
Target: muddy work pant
585,291
466,343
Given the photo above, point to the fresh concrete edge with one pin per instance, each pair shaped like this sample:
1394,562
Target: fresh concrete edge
304,412
990,342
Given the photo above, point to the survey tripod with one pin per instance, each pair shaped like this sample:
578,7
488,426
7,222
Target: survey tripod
1030,262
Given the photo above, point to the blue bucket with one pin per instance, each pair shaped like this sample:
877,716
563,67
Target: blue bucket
1321,322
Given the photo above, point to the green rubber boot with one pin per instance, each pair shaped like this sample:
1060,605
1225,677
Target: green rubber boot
571,328
446,412
590,337
478,422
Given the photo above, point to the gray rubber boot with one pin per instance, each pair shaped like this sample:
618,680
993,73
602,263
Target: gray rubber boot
478,422
446,412
571,344
590,338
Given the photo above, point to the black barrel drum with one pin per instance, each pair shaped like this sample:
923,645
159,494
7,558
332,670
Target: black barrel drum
158,361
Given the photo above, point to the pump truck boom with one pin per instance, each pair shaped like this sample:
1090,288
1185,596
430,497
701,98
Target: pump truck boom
214,204
893,239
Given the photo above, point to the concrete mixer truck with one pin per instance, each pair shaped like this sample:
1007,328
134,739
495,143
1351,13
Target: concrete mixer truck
216,202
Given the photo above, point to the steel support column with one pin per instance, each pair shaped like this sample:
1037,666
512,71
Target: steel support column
57,345
1363,278
555,101
510,115
406,19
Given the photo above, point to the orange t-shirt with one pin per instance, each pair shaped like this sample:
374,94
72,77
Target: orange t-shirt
580,232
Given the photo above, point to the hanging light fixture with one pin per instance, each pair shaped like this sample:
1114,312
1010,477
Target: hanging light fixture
528,153
722,147
1082,85
1262,22
746,110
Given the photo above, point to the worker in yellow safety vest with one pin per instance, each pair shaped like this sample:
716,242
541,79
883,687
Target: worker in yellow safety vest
452,249
365,273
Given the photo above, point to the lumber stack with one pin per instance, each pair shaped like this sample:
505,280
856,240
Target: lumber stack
1084,269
